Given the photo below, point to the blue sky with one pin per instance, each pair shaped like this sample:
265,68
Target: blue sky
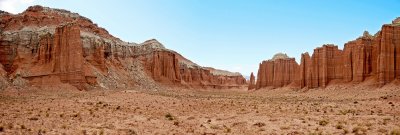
234,35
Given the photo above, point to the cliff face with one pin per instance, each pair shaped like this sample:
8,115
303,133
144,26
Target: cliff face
277,72
376,57
48,46
357,58
59,56
325,66
388,48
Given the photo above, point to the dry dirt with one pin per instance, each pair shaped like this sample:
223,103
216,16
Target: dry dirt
334,110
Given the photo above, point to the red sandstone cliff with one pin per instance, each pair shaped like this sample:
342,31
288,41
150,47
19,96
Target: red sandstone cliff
48,46
376,57
252,82
278,72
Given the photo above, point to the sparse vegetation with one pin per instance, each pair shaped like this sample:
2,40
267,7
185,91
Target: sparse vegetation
285,128
323,122
359,130
259,124
176,123
344,112
395,132
23,127
227,129
33,118
321,117
168,116
339,126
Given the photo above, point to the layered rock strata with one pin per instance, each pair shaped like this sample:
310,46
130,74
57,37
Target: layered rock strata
48,46
278,72
376,57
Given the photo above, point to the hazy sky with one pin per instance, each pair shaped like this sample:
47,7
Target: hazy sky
234,35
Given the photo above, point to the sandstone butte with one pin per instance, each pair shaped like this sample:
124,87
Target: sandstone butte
44,46
374,59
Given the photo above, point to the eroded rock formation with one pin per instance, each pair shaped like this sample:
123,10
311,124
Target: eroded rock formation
3,79
278,72
252,82
376,57
48,46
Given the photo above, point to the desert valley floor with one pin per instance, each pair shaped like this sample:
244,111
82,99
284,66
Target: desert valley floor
333,110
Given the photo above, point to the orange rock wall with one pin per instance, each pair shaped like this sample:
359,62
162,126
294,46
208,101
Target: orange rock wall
60,56
357,60
51,46
376,57
388,48
165,67
277,73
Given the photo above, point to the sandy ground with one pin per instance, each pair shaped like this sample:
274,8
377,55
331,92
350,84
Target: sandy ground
334,110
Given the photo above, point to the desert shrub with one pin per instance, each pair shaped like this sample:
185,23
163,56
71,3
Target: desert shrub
339,126
259,124
359,130
323,122
168,116
395,132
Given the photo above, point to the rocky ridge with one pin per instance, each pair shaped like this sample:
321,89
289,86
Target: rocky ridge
368,58
47,46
